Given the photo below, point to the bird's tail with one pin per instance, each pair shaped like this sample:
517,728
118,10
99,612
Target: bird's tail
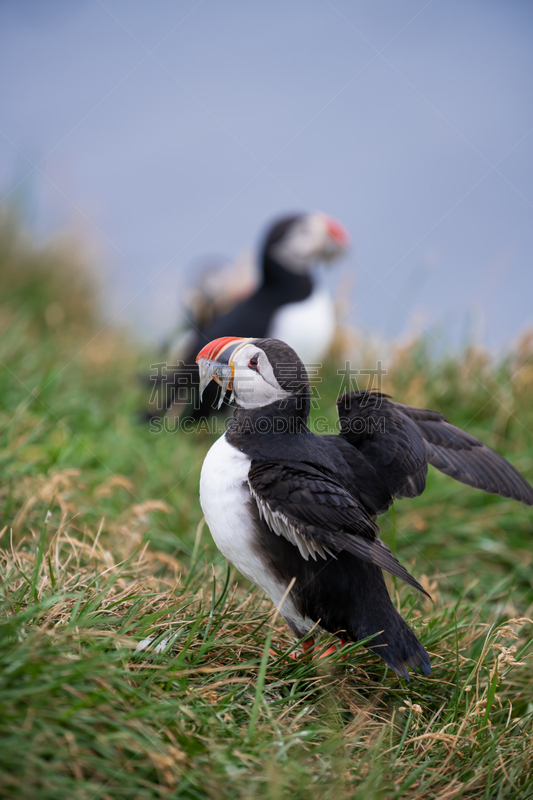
397,645
374,615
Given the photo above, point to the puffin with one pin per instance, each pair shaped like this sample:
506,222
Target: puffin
289,304
295,512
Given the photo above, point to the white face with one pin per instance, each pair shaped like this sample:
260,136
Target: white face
254,382
308,240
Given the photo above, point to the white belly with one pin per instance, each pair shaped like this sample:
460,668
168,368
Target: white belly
224,497
308,327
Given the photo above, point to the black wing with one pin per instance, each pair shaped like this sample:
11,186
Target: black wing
466,459
316,514
388,439
399,442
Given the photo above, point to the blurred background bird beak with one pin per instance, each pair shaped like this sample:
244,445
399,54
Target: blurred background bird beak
337,232
339,240
214,363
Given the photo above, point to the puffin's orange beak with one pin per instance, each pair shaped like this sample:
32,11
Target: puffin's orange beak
337,232
214,350
214,363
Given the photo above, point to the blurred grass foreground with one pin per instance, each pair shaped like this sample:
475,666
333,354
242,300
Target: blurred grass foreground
133,668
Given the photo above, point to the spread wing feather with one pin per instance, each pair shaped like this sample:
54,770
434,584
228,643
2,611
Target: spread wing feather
389,440
313,512
399,441
466,459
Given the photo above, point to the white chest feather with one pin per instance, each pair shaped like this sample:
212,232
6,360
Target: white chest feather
308,327
224,497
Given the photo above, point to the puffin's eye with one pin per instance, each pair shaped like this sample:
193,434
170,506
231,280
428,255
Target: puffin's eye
253,362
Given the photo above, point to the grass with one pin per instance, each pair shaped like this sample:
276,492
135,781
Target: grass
133,661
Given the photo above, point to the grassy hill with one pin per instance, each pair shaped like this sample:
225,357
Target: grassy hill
133,661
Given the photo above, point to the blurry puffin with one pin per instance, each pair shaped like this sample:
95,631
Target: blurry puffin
289,304
282,502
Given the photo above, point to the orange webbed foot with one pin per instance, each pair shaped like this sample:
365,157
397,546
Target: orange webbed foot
309,648
309,645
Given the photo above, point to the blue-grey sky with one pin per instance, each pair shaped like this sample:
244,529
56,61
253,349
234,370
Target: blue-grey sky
167,131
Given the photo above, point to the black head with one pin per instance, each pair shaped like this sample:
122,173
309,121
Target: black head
262,373
298,241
